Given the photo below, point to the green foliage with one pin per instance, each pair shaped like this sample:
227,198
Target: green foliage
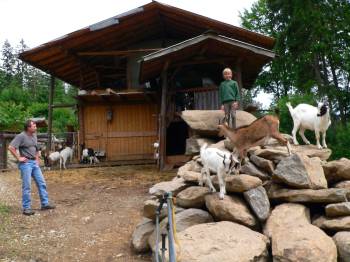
12,116
24,93
312,62
63,117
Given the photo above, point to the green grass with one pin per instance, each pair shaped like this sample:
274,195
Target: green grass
4,215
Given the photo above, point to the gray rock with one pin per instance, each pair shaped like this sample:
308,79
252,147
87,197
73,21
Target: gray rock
250,169
231,208
300,171
174,186
191,176
343,184
259,202
263,164
139,239
272,153
337,170
205,122
330,195
293,238
193,144
239,183
192,197
223,242
184,219
342,241
338,209
333,224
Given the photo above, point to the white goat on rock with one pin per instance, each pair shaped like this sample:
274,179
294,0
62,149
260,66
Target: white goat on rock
311,118
219,162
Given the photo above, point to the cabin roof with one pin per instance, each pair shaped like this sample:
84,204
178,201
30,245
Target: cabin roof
82,57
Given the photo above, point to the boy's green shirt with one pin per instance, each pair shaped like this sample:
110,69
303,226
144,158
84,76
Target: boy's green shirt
228,91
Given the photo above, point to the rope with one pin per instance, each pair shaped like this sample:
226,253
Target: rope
177,242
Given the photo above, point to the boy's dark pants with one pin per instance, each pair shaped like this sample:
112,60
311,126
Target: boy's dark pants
230,114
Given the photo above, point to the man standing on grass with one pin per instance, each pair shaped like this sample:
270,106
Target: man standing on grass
28,158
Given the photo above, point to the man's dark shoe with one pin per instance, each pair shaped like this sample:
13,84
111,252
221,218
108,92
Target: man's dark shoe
28,212
47,207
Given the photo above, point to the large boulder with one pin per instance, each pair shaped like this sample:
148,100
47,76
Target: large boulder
192,177
139,239
271,153
342,241
300,171
330,195
192,197
183,220
239,183
174,186
223,242
312,151
231,208
150,207
338,209
293,238
189,166
194,144
259,202
333,224
337,170
285,215
205,122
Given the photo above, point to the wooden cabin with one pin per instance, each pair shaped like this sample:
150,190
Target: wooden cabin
138,70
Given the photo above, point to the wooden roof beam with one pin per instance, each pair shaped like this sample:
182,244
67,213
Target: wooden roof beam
117,52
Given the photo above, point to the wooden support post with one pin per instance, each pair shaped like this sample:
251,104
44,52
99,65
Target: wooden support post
162,129
3,151
49,129
81,126
238,73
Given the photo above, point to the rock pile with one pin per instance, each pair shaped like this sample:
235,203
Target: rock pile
280,208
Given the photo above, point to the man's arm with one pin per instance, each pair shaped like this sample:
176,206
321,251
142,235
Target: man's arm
14,153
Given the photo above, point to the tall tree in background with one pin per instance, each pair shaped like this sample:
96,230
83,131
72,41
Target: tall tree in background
312,47
8,62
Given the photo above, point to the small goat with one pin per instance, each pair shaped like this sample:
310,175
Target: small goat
53,158
255,134
312,118
89,154
219,162
66,153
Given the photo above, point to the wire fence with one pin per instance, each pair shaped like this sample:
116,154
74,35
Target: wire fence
58,142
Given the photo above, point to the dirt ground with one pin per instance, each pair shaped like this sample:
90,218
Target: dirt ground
97,210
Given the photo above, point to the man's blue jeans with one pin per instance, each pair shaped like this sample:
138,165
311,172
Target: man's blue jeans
31,169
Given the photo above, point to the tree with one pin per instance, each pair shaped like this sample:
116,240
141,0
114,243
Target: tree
8,60
312,47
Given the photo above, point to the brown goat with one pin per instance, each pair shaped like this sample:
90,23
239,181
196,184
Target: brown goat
255,134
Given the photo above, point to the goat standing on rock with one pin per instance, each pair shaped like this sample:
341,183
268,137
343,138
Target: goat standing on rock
219,162
312,118
255,134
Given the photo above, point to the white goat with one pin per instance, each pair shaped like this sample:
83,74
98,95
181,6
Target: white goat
90,154
53,158
64,155
312,118
219,162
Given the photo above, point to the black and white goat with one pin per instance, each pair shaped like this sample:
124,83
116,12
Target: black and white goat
311,118
89,154
219,162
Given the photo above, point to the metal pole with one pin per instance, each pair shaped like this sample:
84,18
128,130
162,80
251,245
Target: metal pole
163,246
172,254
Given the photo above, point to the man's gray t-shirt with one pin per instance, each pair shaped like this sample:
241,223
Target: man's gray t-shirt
27,145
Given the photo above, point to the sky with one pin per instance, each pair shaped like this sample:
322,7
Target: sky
40,21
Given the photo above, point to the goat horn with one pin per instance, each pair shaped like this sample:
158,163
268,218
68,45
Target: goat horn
220,155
